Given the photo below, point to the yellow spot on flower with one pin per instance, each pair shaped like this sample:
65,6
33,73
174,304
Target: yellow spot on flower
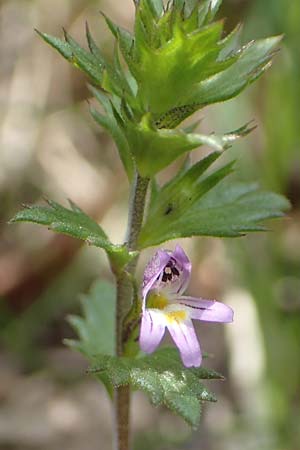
156,301
176,316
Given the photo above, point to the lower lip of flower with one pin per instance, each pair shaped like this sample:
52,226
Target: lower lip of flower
156,301
176,316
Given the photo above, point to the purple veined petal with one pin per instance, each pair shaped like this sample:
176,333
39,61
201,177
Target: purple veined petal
181,257
168,272
186,267
184,336
207,310
176,274
152,330
153,270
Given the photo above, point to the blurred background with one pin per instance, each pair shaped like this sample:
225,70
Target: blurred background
50,147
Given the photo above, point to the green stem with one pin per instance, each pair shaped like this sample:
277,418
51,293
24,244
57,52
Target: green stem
136,210
124,300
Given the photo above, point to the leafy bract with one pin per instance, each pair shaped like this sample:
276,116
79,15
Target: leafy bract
108,122
183,51
253,60
100,70
179,63
197,204
163,145
175,49
74,222
175,62
96,329
163,378
88,62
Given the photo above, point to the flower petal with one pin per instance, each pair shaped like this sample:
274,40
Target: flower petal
184,336
152,330
207,310
186,267
153,270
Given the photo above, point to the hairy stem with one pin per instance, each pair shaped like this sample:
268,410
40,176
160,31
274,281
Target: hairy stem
124,299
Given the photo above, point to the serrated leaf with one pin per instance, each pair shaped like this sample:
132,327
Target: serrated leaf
188,52
227,209
230,43
89,63
86,61
153,149
111,126
186,406
109,76
96,329
178,65
94,49
191,22
157,6
60,45
213,8
124,37
253,60
224,79
163,378
74,223
116,82
203,12
109,122
191,58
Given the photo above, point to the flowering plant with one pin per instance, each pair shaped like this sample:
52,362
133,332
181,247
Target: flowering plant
164,305
176,62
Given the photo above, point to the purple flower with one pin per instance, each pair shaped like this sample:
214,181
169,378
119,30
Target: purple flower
165,279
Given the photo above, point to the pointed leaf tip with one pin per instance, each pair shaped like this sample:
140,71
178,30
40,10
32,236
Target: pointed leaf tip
163,378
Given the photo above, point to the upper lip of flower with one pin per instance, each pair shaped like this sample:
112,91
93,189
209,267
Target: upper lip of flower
169,271
164,305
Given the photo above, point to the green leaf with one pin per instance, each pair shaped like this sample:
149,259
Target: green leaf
191,22
94,49
190,58
157,6
213,8
230,43
109,122
179,64
163,378
197,205
188,52
153,149
90,63
61,46
96,329
124,37
74,222
117,79
109,76
182,191
252,62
